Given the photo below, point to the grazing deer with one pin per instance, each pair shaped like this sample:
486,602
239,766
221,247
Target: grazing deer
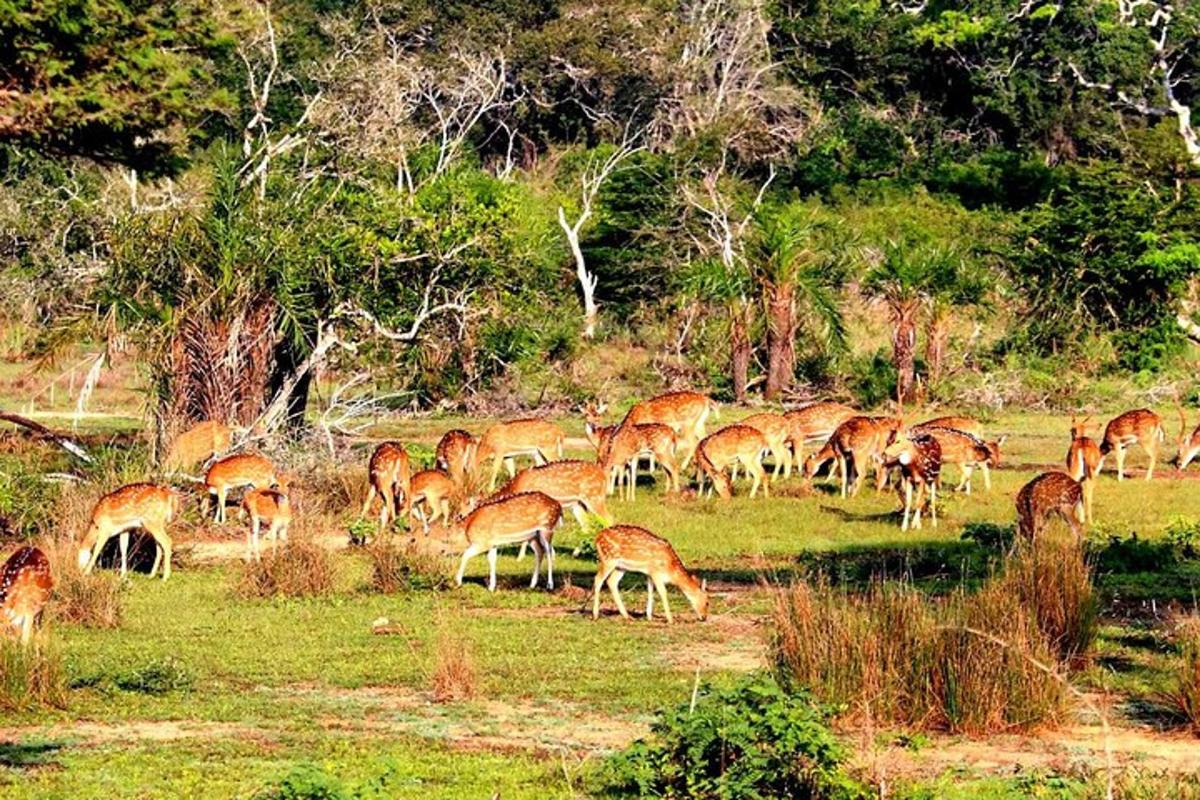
628,548
1050,493
776,430
726,447
684,412
814,422
138,505
581,486
919,457
1083,462
234,472
624,448
857,442
1139,426
508,520
432,491
964,424
504,441
196,445
1189,445
25,586
455,455
272,506
389,475
594,429
967,451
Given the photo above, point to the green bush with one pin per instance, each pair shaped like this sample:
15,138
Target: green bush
158,677
873,380
989,535
751,740
1183,535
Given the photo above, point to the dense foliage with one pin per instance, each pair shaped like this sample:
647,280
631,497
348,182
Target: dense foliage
833,192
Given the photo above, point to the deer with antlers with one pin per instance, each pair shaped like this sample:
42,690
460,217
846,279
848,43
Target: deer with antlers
139,505
731,445
502,443
812,423
918,456
25,586
389,475
1139,426
1189,444
1083,462
624,448
235,472
455,455
1051,493
628,548
969,452
271,506
432,493
510,520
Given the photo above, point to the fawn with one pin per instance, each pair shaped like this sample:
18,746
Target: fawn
628,548
272,506
138,505
508,520
432,489
25,586
234,472
1050,493
389,475
1083,462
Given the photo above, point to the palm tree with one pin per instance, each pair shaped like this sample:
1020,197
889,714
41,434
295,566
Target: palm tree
730,285
795,253
955,284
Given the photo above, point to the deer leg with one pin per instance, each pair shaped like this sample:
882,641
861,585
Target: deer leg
510,466
907,503
1089,488
123,543
370,497
662,593
733,472
548,544
933,503
919,505
987,476
633,473
252,549
614,586
537,559
492,553
754,474
964,481
387,503
1120,462
601,576
26,629
471,551
649,598
163,554
841,463
1152,450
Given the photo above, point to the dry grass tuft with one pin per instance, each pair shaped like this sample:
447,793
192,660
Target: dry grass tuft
404,567
300,568
31,677
454,677
1054,582
1183,698
94,600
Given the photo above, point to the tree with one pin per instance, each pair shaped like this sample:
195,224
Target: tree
117,81
956,284
795,256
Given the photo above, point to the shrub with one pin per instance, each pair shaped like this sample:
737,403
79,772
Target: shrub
94,600
398,567
968,664
751,740
158,677
1123,555
990,536
307,782
454,676
1184,695
1183,535
31,676
1053,582
300,568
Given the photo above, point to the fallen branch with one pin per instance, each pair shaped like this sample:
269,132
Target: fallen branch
45,433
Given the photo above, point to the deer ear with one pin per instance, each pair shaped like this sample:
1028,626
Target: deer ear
1001,440
704,584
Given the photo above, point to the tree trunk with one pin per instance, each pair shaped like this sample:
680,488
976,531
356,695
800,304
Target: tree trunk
287,362
904,346
781,338
937,334
739,350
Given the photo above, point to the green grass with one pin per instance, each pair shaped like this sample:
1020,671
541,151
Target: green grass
307,682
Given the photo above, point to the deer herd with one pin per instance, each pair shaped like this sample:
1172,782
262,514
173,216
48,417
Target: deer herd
668,433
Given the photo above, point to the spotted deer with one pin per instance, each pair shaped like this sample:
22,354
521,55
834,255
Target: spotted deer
432,494
1083,462
581,486
628,548
813,423
731,445
138,505
25,586
919,458
1139,426
389,475
196,445
1189,444
684,412
967,451
235,472
271,506
776,430
856,445
455,455
510,520
1048,494
623,450
957,423
502,443
594,429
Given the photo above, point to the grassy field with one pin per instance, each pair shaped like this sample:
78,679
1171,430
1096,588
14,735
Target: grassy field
200,693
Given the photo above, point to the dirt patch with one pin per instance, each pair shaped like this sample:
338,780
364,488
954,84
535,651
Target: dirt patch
99,733
740,647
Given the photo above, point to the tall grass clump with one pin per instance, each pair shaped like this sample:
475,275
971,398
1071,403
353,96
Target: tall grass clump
400,567
300,568
454,675
972,663
93,600
1054,583
32,676
1183,697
